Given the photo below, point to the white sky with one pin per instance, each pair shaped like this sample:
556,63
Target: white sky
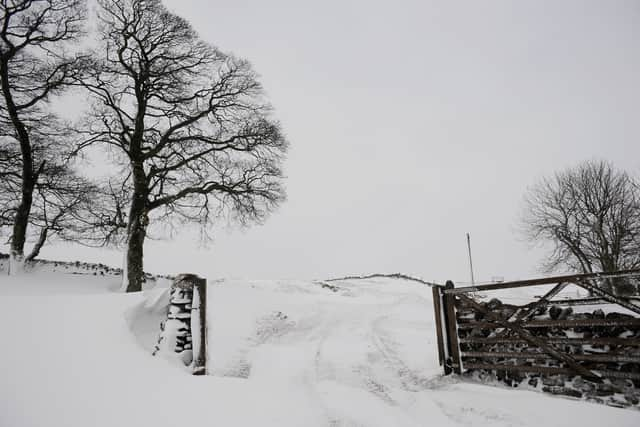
412,123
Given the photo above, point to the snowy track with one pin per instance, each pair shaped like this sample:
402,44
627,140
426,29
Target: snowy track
367,341
358,353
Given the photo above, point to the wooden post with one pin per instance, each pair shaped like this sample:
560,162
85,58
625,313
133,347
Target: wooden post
437,311
452,330
199,325
473,282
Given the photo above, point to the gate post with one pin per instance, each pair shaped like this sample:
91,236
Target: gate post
451,326
183,334
440,331
199,326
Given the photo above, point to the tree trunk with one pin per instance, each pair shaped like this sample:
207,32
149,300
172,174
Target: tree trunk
42,238
21,222
133,271
29,177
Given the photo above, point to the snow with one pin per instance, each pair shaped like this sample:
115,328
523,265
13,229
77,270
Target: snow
16,264
144,317
196,330
281,353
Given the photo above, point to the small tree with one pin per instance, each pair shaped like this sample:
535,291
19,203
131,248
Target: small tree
63,204
189,122
590,214
34,66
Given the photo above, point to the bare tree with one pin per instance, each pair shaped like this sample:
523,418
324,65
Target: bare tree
34,66
190,122
65,206
590,214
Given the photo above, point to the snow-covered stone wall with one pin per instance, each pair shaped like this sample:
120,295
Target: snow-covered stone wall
605,343
182,330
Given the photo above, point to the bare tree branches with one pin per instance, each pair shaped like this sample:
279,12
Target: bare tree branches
591,216
65,206
34,65
191,122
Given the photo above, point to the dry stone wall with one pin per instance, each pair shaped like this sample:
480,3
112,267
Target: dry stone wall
620,357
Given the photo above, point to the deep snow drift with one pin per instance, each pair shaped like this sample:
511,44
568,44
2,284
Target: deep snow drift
281,353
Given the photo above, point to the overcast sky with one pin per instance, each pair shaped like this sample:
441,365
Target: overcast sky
412,123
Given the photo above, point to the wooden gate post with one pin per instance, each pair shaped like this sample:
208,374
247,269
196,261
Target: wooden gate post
199,325
451,327
440,332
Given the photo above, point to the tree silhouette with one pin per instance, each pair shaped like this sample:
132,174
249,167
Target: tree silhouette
591,216
189,122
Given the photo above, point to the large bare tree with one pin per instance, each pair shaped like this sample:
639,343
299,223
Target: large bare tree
35,65
190,123
590,214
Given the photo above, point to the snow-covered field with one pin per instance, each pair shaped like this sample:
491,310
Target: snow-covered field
281,353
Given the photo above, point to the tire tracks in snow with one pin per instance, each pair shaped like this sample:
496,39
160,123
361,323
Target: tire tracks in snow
410,380
339,354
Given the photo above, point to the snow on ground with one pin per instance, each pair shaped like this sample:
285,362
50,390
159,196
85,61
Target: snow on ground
282,353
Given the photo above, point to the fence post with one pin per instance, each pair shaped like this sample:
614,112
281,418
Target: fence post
438,313
453,346
199,325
